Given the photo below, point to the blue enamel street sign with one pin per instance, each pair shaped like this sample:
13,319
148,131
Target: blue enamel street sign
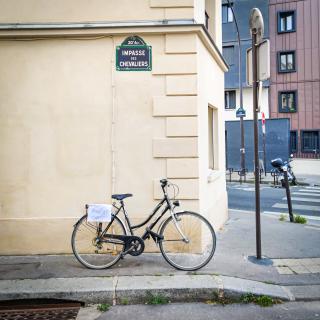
134,55
240,113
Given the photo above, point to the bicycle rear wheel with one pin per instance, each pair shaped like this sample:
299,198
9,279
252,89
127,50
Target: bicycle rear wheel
93,253
193,253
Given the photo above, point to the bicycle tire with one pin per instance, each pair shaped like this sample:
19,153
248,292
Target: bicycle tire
96,255
182,255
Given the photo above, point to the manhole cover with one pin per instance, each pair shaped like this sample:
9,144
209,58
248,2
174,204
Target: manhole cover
38,310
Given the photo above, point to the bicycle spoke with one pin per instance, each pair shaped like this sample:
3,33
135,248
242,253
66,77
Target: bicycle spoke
94,253
199,247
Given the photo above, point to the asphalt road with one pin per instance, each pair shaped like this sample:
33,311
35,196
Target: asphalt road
201,311
305,199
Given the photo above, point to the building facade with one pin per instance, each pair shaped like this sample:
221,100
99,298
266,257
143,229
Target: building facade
295,71
76,127
242,9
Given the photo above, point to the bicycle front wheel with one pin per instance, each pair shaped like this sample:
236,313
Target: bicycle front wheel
91,252
196,249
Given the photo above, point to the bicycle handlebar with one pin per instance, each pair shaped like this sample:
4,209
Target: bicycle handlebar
163,182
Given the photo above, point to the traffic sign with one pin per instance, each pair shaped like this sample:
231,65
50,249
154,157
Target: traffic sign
240,113
263,62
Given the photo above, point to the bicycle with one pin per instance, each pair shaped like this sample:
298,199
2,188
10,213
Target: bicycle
186,240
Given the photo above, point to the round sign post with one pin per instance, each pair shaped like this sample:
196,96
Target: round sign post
256,28
263,125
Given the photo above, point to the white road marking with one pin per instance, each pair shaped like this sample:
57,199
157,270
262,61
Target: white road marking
297,206
313,228
315,188
309,190
306,194
302,199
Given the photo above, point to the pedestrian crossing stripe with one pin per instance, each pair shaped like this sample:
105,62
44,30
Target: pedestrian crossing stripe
297,207
306,194
315,188
302,199
309,190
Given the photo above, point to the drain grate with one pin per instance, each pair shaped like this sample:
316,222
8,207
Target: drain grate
39,310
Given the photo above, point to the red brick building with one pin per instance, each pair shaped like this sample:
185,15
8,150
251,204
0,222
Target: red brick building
295,71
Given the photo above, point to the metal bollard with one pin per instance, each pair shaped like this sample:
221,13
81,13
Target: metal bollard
275,174
230,173
286,182
242,173
260,174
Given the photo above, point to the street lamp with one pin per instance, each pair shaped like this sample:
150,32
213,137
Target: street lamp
240,111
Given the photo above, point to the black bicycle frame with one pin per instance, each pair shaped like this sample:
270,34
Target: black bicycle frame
151,226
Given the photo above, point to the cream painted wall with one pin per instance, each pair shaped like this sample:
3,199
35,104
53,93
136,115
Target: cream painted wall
213,195
213,8
247,104
135,127
55,113
77,10
60,95
94,10
58,99
199,11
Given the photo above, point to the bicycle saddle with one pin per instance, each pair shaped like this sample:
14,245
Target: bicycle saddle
121,196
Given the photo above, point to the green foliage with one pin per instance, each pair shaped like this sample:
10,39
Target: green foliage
155,299
282,217
103,307
247,298
124,301
262,301
300,219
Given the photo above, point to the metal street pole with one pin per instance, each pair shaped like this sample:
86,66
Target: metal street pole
256,141
264,154
242,147
263,123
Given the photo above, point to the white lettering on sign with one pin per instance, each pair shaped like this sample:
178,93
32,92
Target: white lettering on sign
133,52
133,64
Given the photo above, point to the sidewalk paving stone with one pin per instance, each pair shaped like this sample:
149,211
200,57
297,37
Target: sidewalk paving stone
284,270
233,269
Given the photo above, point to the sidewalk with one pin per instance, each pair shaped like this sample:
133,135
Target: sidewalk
305,179
290,269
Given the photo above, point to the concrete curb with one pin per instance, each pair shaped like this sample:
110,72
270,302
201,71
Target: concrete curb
136,289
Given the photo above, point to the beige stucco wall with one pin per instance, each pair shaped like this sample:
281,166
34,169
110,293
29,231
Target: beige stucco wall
55,136
74,130
248,105
212,195
93,10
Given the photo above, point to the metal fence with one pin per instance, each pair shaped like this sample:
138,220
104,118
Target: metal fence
307,155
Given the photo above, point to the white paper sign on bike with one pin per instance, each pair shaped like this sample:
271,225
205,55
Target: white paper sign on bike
99,212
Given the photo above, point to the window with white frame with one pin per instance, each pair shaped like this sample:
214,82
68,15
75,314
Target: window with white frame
286,21
227,15
286,61
230,100
213,138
